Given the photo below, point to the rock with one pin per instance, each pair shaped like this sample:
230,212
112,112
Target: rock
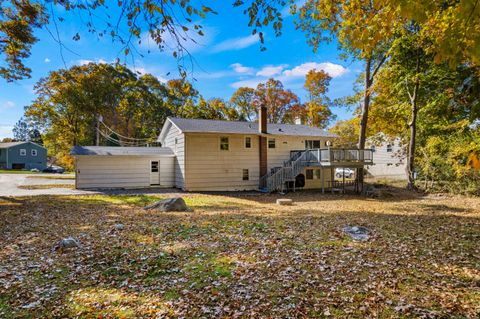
175,204
357,232
119,226
68,242
32,305
284,202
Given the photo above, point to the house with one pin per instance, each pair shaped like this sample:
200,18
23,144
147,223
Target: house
213,155
22,155
390,159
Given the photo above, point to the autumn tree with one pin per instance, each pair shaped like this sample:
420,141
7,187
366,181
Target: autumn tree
243,101
283,105
169,24
70,101
318,105
347,132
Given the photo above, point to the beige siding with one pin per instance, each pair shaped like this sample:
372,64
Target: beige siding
208,168
317,183
176,141
121,171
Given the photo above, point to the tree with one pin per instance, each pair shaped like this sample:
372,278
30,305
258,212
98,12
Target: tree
243,101
69,103
25,130
318,106
347,132
283,105
181,94
18,19
170,24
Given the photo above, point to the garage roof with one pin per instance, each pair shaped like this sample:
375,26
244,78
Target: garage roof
235,127
118,150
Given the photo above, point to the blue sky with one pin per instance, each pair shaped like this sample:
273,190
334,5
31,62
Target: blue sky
227,57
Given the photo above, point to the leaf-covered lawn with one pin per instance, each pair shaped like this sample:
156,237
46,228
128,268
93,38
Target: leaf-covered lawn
240,257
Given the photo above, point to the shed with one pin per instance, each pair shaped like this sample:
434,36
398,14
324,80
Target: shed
22,155
123,167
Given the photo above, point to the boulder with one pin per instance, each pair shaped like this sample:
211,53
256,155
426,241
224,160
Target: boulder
357,232
284,202
175,204
119,226
68,242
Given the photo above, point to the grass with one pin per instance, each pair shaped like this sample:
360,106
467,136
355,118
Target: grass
17,171
240,256
50,176
46,186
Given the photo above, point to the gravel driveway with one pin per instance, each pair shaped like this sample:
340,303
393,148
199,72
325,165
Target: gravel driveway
9,184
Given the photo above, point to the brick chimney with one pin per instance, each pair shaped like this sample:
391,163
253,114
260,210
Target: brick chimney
262,129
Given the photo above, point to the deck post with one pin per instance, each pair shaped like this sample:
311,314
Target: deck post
332,178
323,180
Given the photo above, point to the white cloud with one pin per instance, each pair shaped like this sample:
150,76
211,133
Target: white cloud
334,70
85,62
236,43
8,105
6,130
47,60
271,70
239,68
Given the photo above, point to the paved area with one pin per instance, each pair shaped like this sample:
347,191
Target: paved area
9,185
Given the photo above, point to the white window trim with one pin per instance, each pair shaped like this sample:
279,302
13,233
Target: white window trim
23,152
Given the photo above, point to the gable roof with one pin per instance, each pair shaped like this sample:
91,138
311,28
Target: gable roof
11,144
251,128
118,150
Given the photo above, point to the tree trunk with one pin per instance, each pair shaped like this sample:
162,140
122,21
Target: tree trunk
413,129
364,116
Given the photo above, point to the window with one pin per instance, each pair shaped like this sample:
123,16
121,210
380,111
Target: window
248,142
389,148
224,144
373,148
309,174
309,144
316,174
34,152
245,174
271,143
154,168
23,152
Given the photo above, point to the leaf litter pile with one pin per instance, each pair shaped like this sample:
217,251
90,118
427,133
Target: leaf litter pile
240,257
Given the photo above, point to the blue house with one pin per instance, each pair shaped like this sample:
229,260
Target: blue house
22,155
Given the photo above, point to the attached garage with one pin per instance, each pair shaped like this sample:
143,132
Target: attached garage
123,167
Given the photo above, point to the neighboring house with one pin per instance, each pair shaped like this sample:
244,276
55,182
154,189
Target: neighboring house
212,155
389,159
22,155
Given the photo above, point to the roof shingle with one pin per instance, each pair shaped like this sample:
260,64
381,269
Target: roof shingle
234,127
117,150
